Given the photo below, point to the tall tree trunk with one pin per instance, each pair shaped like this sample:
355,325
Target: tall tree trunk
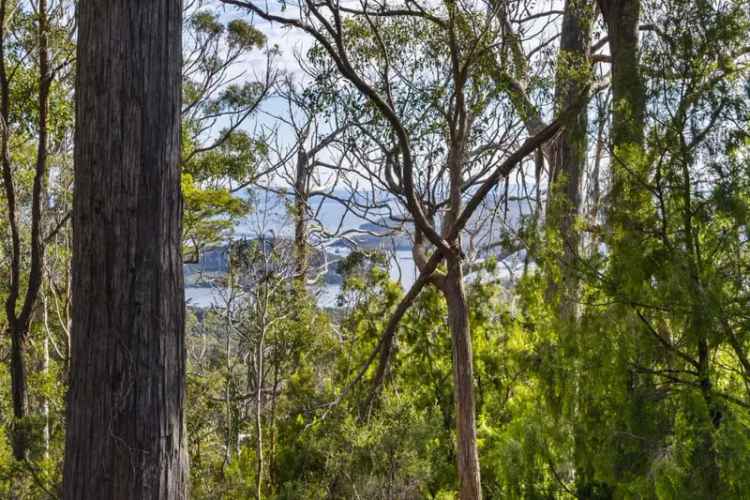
259,415
463,381
125,418
45,370
568,159
228,411
567,165
452,287
626,196
21,437
300,216
709,470
628,204
272,426
19,318
622,18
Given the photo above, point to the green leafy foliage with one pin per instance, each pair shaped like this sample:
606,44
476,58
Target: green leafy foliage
642,393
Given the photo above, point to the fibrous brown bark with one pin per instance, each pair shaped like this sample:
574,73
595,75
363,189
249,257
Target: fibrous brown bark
125,432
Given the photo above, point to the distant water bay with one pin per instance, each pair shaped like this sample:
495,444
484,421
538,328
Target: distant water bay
270,217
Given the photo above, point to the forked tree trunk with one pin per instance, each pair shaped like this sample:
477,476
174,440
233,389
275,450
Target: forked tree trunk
19,314
125,431
463,381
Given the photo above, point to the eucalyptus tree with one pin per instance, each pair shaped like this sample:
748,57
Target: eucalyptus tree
422,71
125,430
34,56
525,76
626,196
565,160
250,321
690,152
651,290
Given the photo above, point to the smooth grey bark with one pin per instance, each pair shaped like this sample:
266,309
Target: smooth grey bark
125,431
451,285
259,469
467,453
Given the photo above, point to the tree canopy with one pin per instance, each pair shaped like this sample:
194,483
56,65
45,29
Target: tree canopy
481,249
